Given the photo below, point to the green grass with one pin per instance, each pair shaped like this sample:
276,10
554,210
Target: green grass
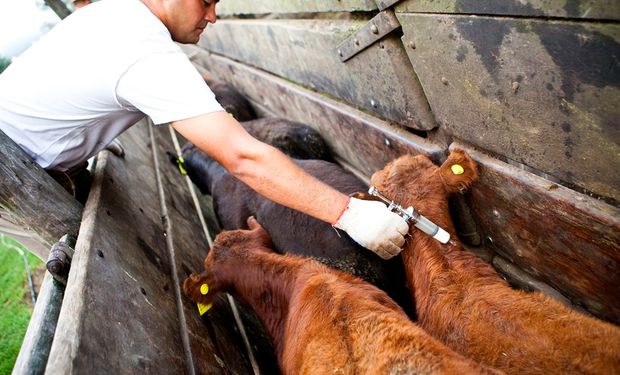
15,312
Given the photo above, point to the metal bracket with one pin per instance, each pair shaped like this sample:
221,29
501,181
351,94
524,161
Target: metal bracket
384,4
379,26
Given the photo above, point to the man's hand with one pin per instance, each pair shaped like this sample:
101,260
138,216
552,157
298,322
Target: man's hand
373,226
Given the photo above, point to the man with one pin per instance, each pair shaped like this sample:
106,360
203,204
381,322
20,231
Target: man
103,68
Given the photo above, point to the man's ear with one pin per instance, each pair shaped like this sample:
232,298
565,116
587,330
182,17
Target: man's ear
260,233
458,172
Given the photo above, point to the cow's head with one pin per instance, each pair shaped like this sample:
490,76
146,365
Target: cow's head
415,181
224,259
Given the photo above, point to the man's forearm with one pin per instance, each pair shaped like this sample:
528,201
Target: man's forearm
273,175
278,178
262,167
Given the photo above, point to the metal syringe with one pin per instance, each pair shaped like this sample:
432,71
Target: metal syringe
413,217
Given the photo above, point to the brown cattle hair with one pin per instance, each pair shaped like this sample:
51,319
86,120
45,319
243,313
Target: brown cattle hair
463,302
322,321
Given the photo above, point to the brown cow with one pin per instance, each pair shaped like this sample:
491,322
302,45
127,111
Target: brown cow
322,321
462,301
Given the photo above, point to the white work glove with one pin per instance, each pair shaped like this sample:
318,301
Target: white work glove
373,226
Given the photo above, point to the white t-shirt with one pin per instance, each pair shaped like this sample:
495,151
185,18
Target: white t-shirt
91,77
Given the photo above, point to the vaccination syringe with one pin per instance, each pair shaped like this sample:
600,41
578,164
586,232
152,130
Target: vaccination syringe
413,217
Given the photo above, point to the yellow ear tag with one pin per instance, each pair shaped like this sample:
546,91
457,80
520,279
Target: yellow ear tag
204,289
457,169
180,162
203,308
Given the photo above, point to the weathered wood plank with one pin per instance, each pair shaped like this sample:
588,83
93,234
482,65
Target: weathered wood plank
35,349
190,248
586,9
567,239
379,80
364,141
117,305
14,228
541,93
120,310
226,8
29,197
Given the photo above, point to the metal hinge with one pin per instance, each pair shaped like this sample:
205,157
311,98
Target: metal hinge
379,26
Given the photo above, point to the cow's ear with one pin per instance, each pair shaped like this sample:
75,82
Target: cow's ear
199,288
365,196
259,232
458,172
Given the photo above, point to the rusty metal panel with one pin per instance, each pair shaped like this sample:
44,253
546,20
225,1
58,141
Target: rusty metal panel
541,93
585,9
567,239
238,7
380,79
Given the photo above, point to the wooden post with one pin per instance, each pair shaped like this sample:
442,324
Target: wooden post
30,198
35,349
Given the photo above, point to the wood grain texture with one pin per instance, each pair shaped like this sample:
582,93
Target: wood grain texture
568,240
119,311
584,9
379,80
30,198
365,142
227,8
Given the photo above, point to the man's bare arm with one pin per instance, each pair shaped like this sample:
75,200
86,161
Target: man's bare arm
262,167
272,174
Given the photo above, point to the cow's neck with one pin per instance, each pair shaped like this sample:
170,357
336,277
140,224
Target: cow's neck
439,275
266,284
428,263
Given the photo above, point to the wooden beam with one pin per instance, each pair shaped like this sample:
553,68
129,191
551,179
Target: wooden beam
237,7
584,9
35,349
378,80
33,200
